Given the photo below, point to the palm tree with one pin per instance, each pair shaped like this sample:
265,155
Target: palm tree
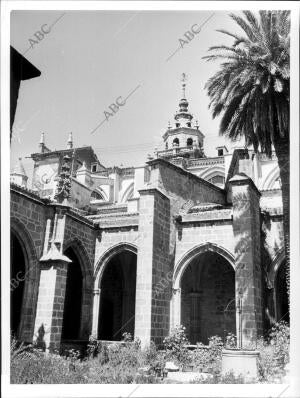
251,92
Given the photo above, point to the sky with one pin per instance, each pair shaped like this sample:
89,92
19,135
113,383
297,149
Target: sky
89,59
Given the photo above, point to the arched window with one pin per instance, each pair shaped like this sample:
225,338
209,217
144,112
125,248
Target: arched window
217,179
166,145
189,142
96,196
176,141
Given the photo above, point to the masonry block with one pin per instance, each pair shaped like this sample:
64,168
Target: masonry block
246,228
50,307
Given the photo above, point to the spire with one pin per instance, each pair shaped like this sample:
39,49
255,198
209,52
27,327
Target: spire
19,168
42,143
70,141
183,80
18,175
42,139
183,116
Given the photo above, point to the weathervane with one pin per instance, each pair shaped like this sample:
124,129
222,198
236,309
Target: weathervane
183,79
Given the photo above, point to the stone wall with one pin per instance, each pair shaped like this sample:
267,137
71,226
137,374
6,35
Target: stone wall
163,263
193,234
83,234
108,238
28,221
151,321
246,227
30,211
181,186
170,189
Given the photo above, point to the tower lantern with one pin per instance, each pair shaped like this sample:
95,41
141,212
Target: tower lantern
185,138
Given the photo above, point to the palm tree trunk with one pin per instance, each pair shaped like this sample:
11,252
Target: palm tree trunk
282,150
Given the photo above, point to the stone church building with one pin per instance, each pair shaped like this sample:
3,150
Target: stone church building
180,240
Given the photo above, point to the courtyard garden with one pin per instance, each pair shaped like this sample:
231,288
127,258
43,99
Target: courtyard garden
125,362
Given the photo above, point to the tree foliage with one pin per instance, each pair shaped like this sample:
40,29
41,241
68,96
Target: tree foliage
251,88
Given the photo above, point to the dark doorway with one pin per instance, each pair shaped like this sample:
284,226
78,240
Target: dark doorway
207,298
117,299
17,284
73,299
282,303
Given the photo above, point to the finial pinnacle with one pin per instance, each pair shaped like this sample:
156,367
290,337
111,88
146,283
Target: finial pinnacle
70,141
183,80
42,139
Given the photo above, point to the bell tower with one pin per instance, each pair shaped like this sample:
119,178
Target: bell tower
183,139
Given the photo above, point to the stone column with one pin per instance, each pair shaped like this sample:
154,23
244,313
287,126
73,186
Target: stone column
195,321
144,271
96,307
152,311
176,308
248,277
50,304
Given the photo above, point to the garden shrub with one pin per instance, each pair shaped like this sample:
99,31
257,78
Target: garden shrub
93,347
201,358
127,337
280,339
176,346
274,353
208,358
128,355
120,362
150,354
231,341
40,368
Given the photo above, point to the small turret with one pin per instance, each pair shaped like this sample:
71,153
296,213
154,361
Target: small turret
18,175
42,143
83,175
70,141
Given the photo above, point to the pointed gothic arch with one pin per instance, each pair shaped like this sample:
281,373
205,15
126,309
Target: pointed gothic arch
195,251
79,292
204,284
115,291
211,172
277,284
24,281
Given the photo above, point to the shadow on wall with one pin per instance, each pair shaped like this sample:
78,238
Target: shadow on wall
40,342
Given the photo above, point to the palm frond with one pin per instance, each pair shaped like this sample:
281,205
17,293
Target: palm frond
246,28
251,89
